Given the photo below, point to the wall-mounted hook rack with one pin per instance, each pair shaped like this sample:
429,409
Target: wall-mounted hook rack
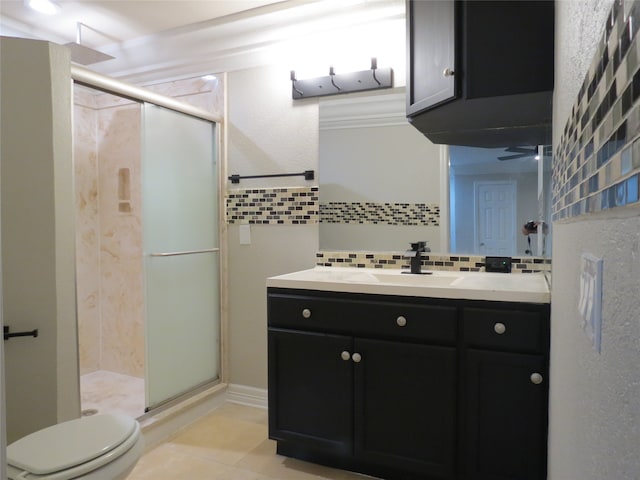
334,83
307,174
7,335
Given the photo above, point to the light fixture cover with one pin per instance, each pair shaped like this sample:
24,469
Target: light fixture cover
43,6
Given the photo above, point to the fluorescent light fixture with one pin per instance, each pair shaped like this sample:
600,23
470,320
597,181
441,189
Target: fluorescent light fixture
209,77
43,6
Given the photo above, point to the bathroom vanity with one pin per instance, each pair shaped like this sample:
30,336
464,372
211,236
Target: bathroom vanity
408,376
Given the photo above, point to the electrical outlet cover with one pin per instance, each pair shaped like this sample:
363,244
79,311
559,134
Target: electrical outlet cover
590,302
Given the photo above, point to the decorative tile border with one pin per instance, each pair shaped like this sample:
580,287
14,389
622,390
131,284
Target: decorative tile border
380,213
456,263
273,206
597,161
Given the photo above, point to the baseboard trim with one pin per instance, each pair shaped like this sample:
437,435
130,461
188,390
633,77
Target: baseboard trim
245,395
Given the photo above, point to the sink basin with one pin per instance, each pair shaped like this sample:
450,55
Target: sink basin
386,277
433,280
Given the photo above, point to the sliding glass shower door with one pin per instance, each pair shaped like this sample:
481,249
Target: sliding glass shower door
181,255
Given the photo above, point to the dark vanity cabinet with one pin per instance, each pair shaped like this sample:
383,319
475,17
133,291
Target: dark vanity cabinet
363,384
480,73
407,387
505,392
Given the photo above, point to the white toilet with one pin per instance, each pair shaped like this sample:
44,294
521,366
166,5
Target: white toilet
100,447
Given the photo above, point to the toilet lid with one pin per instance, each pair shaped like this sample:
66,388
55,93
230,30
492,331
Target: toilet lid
69,444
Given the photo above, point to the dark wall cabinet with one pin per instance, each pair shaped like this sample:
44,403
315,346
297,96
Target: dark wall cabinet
409,388
480,73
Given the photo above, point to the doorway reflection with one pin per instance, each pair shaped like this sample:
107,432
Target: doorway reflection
494,192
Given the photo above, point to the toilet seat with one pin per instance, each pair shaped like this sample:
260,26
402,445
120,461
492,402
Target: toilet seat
73,448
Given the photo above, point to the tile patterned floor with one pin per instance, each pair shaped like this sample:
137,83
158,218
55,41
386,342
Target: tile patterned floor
228,444
109,392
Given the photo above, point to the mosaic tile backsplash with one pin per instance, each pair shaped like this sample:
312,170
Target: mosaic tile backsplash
597,161
273,206
300,206
458,263
380,213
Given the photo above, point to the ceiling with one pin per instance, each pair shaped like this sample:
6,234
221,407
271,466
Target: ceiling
115,21
154,40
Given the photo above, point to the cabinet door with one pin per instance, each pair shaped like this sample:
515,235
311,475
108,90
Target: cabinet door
431,59
311,390
405,407
506,416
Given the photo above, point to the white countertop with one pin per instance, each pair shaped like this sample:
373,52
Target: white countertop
503,287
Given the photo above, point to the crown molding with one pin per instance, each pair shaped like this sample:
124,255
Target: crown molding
245,40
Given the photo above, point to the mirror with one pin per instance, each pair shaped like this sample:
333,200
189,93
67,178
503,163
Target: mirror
493,194
383,185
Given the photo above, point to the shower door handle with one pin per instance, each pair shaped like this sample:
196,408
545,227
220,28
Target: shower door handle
186,252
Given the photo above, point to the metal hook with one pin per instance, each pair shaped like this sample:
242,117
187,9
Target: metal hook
332,74
374,67
293,83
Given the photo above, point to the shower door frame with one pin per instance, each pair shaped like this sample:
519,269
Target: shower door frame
89,78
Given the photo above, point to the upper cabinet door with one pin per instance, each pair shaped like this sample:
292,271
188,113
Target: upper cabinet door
480,72
431,54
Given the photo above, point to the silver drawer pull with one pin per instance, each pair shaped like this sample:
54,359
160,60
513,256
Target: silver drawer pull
536,378
345,355
401,321
499,328
306,313
356,357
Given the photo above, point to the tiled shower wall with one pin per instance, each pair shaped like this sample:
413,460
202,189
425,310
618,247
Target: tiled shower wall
109,232
109,237
299,206
597,161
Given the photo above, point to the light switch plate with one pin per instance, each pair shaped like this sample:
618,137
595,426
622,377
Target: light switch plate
245,235
590,301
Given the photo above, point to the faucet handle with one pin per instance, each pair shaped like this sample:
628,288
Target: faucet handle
419,246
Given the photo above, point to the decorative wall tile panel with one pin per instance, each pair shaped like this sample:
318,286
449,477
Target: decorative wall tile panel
380,213
273,206
597,160
457,263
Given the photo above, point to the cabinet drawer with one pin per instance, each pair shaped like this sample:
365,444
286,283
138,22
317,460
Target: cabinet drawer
516,330
363,317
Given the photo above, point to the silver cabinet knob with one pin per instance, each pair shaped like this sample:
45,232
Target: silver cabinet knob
356,357
499,328
401,321
536,378
448,72
306,313
345,355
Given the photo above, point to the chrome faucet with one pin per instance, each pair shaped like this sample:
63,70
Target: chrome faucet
415,254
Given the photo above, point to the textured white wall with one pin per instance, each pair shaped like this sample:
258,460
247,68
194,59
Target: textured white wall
594,398
267,133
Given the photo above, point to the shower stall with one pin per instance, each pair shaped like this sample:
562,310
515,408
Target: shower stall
148,260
